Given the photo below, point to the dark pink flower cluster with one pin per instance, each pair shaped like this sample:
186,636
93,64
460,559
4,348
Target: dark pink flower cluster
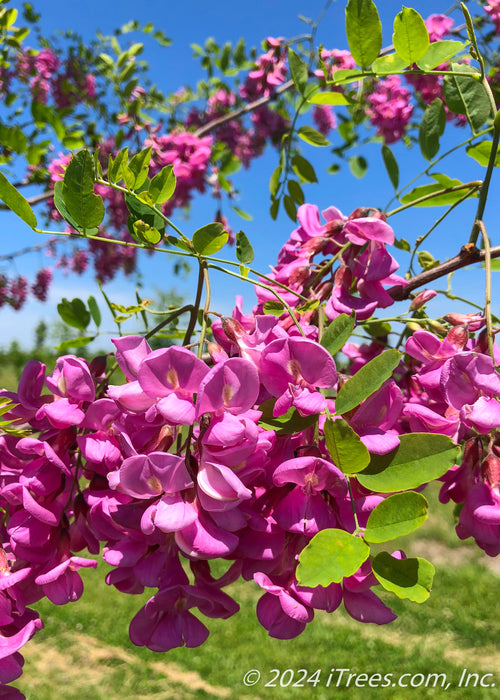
454,392
190,156
324,118
493,10
184,463
177,469
364,265
73,84
42,71
14,291
334,60
245,142
390,108
40,287
270,71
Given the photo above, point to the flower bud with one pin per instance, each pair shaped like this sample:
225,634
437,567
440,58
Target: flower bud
333,228
232,328
363,212
299,275
360,213
473,453
482,342
343,276
490,470
422,299
437,327
413,326
324,291
473,321
314,245
98,366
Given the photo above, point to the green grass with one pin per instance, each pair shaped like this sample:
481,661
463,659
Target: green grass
84,650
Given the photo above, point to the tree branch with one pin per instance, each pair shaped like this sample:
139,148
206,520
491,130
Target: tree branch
250,107
468,255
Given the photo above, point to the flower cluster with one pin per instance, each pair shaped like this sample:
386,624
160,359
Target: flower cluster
67,83
493,10
13,291
358,243
390,109
190,156
190,461
454,392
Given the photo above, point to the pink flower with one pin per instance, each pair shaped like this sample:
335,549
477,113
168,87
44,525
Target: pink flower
390,108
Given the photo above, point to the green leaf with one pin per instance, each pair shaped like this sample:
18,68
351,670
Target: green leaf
274,209
13,138
440,52
274,182
419,458
60,205
274,308
84,207
16,202
358,166
329,98
338,332
74,343
347,75
329,557
74,140
290,207
308,306
387,65
364,31
391,165
139,165
296,192
243,214
481,152
115,167
312,136
244,250
141,211
162,186
366,380
432,128
144,233
74,313
439,199
209,239
464,95
347,451
402,244
426,260
94,311
179,243
298,69
379,329
396,516
407,578
410,38
303,168
289,423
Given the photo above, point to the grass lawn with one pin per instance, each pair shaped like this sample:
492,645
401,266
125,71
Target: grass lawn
84,652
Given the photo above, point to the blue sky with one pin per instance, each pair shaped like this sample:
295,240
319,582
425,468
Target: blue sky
193,22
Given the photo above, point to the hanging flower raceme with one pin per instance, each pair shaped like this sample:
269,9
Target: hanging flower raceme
189,461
